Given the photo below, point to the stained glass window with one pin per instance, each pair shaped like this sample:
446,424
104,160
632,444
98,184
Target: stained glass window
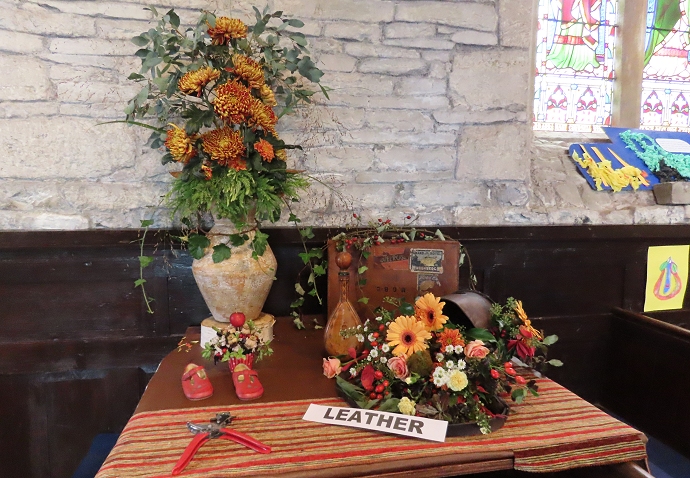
666,77
574,64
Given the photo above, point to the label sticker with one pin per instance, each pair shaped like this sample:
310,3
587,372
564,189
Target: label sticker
426,260
411,426
427,282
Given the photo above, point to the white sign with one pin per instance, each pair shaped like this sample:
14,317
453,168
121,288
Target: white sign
411,426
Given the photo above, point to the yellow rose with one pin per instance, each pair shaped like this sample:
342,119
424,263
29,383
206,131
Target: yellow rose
407,406
457,381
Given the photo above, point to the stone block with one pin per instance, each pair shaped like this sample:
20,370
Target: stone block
448,193
623,216
372,11
461,115
120,29
20,42
422,43
473,37
366,197
672,193
100,8
577,217
368,136
408,158
337,62
93,92
473,216
400,176
421,86
659,215
27,109
353,31
510,193
479,16
363,50
28,80
494,152
491,78
569,195
525,216
389,66
516,23
49,148
360,84
409,30
72,73
91,60
314,119
38,19
437,56
339,160
102,196
400,121
355,100
439,70
91,46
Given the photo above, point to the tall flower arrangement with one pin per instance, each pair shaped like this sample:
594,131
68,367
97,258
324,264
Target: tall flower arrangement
212,94
421,364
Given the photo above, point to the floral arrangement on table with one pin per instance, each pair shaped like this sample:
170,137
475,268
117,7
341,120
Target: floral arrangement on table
423,365
242,343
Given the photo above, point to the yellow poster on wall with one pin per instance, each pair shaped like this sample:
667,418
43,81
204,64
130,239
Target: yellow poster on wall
667,277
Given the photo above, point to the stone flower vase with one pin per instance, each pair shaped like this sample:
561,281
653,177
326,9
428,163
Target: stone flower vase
238,284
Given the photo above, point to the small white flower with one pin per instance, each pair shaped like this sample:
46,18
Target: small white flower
353,372
458,349
408,380
360,338
440,376
374,353
371,338
449,349
385,348
383,360
359,327
461,364
450,365
485,430
379,318
369,357
439,357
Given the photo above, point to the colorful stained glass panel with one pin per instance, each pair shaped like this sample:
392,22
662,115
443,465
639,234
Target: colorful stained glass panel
666,76
574,67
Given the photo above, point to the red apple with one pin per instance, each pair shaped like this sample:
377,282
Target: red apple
237,319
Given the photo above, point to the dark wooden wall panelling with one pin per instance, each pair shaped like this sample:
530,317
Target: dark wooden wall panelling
77,346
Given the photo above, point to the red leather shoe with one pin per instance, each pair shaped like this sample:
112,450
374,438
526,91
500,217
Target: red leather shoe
195,382
247,385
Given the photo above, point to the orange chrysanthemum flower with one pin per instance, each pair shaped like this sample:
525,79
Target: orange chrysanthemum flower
267,96
225,146
226,29
179,144
429,310
233,102
208,172
407,335
262,115
265,149
450,337
249,70
195,81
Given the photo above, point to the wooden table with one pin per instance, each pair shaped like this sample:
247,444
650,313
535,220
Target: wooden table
292,378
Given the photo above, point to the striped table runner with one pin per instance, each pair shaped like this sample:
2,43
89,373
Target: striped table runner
555,431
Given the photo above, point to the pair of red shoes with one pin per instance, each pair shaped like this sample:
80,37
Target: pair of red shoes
197,386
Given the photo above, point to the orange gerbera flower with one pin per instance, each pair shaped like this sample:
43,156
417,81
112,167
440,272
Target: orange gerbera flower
407,335
225,146
226,29
263,116
429,310
450,337
179,144
249,70
265,149
195,81
233,102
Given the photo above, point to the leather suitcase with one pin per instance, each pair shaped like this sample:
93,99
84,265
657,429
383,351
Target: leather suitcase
404,270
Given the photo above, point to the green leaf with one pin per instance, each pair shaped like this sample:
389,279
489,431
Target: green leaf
174,19
237,239
481,334
140,40
300,40
197,245
390,405
221,252
298,323
440,235
362,270
319,270
146,222
518,395
144,261
299,289
549,340
294,218
555,363
135,76
259,244
363,300
139,282
293,22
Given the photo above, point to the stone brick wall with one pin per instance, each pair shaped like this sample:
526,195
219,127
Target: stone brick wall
429,116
